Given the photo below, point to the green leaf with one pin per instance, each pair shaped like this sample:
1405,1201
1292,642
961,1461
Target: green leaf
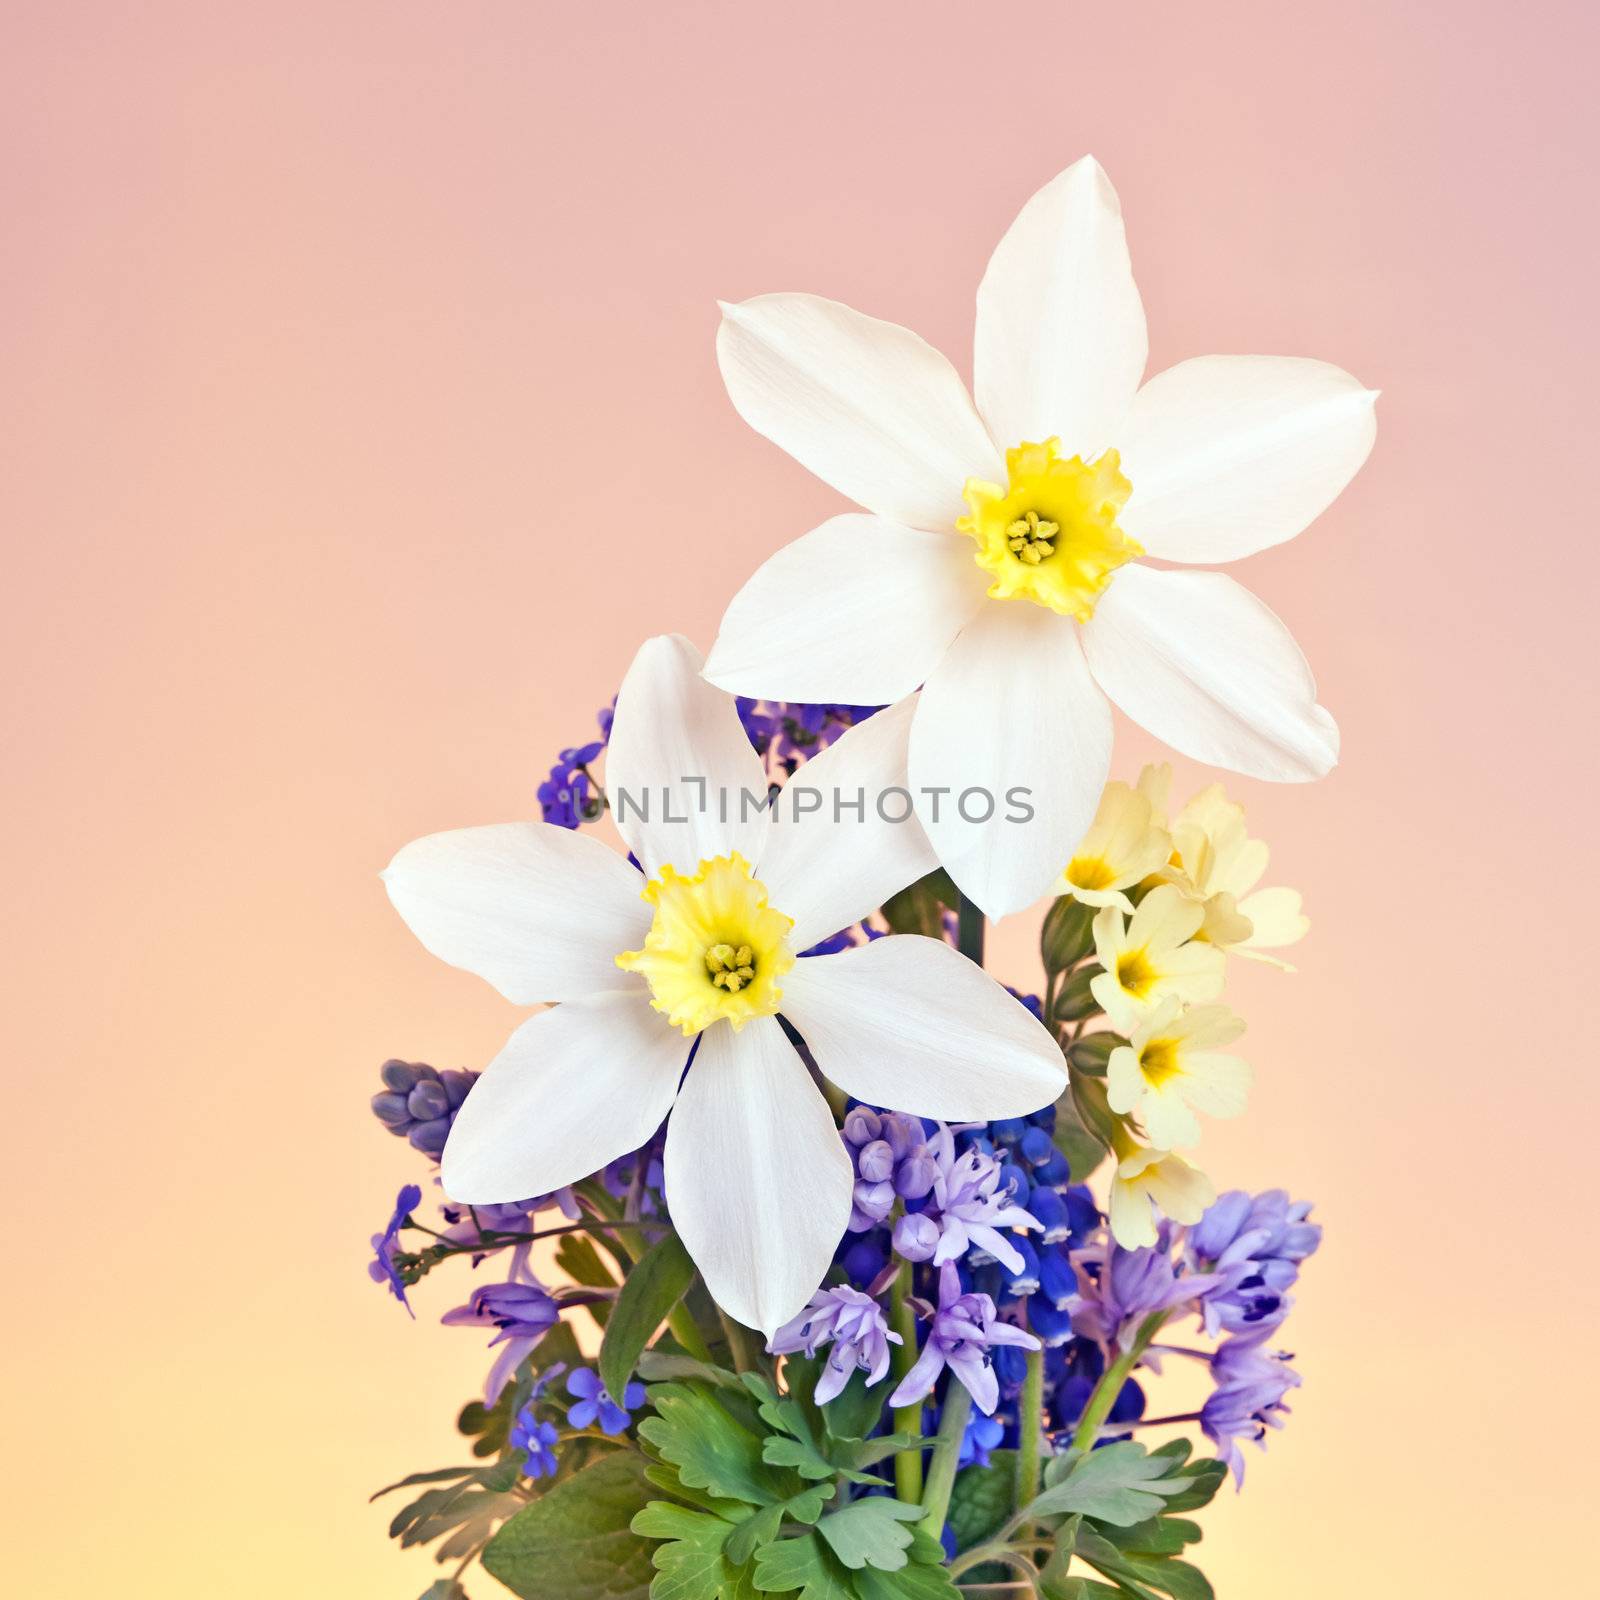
1084,1152
576,1542
661,1366
656,1284
694,1564
920,907
1206,1478
805,1564
854,1412
444,1589
710,1449
981,1499
577,1256
1141,1573
442,1475
871,1533
913,1583
1120,1483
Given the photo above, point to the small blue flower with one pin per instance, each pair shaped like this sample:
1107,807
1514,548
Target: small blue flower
595,1407
983,1435
538,1439
386,1245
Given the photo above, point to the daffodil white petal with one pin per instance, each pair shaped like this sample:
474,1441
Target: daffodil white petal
1061,341
539,911
867,405
1011,714
684,783
758,1181
855,612
909,1024
575,1087
844,837
1232,454
1203,665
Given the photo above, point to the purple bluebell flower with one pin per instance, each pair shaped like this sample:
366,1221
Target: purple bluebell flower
538,1439
419,1104
983,1435
970,1206
963,1330
386,1245
1251,1385
521,1311
1253,1246
1132,1286
916,1236
595,1407
854,1324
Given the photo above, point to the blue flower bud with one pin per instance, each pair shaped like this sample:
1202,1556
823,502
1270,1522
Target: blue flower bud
875,1162
864,1259
1058,1283
1049,1322
1025,1280
1036,1147
1050,1211
916,1237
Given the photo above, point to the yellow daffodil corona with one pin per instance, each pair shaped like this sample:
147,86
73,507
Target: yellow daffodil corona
715,948
1051,534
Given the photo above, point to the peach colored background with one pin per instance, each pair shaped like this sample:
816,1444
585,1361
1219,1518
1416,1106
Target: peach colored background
360,416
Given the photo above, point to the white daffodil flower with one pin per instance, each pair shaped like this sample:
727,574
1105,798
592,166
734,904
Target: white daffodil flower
689,959
1172,1066
997,563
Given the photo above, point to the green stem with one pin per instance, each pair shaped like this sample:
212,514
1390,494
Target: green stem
946,1453
1111,1382
738,1337
907,1419
1030,1425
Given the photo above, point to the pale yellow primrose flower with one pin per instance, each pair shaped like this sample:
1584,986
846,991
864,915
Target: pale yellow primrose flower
1151,956
1172,1067
1217,862
1122,847
1146,1178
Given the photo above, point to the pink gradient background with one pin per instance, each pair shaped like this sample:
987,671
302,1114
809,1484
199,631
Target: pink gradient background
360,417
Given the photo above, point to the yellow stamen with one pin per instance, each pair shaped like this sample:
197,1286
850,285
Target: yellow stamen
715,948
1051,535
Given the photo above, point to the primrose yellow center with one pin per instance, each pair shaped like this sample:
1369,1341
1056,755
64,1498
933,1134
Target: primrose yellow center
1135,973
1051,534
1159,1062
715,948
1090,872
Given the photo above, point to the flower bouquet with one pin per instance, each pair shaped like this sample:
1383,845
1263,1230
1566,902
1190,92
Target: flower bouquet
814,1262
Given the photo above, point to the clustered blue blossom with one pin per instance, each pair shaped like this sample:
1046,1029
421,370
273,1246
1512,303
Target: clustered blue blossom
419,1104
1010,1255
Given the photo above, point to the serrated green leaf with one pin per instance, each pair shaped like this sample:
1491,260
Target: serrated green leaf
1120,1483
440,1475
871,1533
981,1499
1206,1478
656,1284
709,1447
576,1542
694,1564
913,1583
1160,1536
805,1564
1139,1573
